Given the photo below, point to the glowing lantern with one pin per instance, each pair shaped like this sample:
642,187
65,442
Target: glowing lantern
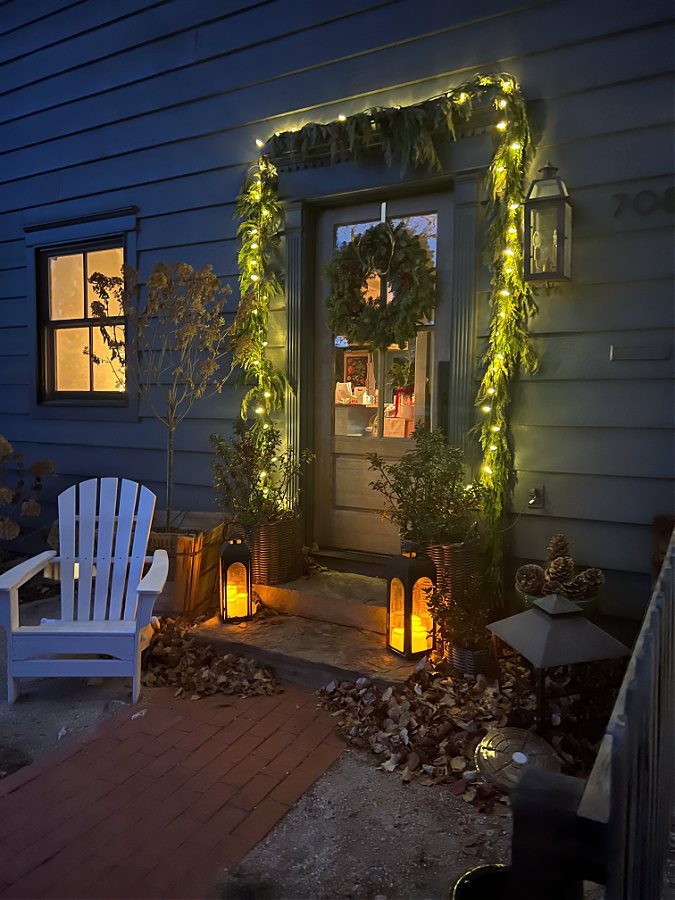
548,228
410,628
236,599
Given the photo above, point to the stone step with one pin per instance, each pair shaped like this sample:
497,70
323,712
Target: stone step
308,652
341,598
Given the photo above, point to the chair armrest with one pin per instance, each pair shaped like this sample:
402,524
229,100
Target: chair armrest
150,586
23,572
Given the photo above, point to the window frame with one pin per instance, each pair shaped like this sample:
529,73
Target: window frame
47,327
63,235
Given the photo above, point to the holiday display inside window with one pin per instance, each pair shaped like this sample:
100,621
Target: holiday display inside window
406,135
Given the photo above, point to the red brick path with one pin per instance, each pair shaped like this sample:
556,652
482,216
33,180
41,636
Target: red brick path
154,806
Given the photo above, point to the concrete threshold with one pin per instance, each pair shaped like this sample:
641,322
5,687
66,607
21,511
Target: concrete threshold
307,652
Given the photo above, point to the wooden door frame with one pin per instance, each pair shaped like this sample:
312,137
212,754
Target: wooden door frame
305,194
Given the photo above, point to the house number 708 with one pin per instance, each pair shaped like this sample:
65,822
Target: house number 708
645,202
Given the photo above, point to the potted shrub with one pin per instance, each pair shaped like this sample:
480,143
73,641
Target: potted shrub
558,575
178,340
461,618
428,499
255,484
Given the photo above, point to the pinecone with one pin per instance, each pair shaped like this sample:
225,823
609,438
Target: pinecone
575,589
530,579
592,579
554,587
558,546
560,569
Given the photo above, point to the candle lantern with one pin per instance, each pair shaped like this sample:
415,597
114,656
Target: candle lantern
236,597
410,628
548,228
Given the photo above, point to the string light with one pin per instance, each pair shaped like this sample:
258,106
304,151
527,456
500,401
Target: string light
496,428
509,251
259,143
500,356
342,118
514,205
254,245
502,125
516,145
267,395
486,409
505,293
490,390
493,447
503,104
512,230
259,410
502,315
254,277
488,470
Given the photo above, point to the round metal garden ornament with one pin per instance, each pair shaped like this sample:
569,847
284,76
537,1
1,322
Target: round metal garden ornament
503,754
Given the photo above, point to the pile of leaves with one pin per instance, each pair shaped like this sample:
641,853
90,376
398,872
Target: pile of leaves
428,728
196,669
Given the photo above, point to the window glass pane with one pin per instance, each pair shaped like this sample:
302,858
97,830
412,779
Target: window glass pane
70,361
346,233
66,287
107,262
356,392
109,373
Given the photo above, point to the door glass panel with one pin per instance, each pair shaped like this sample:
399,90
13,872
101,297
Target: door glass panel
385,389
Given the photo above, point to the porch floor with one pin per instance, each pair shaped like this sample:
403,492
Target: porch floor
308,652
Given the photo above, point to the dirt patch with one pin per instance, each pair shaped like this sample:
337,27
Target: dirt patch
361,834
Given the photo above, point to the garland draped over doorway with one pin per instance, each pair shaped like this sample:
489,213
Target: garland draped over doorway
406,135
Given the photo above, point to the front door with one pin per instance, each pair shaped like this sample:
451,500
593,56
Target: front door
366,400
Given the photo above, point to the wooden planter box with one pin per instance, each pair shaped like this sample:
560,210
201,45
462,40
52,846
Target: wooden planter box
194,570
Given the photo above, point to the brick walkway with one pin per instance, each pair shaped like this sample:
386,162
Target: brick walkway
157,804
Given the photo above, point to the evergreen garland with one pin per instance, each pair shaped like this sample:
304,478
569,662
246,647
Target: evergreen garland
400,258
407,135
259,209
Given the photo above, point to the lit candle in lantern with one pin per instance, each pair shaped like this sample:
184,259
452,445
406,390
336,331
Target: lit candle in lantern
237,601
420,634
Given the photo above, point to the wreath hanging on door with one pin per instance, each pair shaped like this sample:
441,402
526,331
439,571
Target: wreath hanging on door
397,255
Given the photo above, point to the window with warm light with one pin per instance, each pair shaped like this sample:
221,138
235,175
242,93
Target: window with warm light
81,337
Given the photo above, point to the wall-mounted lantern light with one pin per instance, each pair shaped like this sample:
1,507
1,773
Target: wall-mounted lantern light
548,228
410,628
236,600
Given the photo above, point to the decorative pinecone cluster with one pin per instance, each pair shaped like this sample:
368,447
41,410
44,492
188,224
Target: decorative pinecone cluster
558,576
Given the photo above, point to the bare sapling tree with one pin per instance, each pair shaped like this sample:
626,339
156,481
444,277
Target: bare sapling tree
175,344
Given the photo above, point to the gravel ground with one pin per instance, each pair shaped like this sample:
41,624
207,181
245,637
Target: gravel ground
360,833
52,711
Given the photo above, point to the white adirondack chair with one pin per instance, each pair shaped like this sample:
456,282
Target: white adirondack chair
106,601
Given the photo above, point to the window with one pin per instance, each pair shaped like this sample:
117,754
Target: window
76,330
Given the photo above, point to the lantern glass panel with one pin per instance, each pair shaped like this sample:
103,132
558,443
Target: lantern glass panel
396,615
567,254
422,623
236,591
544,239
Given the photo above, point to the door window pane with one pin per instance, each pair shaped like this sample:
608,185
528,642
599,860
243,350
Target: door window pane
66,287
70,361
386,391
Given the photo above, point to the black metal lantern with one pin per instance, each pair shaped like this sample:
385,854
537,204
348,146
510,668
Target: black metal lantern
548,228
236,589
410,628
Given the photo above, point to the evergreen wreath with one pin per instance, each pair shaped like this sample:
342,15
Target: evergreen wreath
401,258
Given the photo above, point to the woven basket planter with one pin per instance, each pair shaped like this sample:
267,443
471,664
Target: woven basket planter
471,662
276,551
457,566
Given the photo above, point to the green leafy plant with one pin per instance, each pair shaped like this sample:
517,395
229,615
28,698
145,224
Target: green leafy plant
426,495
401,375
19,491
254,481
177,345
462,616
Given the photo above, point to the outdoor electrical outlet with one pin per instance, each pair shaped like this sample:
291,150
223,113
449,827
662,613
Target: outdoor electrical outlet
535,497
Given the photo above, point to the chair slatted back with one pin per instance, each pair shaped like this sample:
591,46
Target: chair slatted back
104,526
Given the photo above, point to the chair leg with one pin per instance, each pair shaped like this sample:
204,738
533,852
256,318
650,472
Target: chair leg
136,686
12,689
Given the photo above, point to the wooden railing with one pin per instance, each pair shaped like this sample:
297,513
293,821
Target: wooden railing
615,828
